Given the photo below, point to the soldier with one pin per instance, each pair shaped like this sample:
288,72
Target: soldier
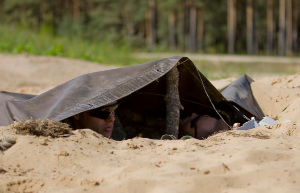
201,127
100,120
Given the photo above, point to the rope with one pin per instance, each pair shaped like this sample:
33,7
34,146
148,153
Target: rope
212,104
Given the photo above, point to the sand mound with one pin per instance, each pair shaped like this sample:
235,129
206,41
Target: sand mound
259,160
279,98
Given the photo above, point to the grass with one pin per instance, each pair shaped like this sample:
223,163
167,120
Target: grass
219,70
16,41
21,40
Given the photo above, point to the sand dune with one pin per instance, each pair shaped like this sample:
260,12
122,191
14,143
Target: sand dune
265,159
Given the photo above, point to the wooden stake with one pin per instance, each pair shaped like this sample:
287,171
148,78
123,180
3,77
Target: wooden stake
173,103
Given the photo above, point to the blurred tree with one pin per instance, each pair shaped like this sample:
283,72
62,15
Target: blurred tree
181,26
289,28
241,26
185,25
215,26
187,4
249,26
172,29
282,26
200,27
172,10
193,26
256,20
231,25
1,11
76,9
151,24
270,27
295,26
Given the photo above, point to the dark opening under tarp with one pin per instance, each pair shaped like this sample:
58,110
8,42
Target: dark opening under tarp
140,89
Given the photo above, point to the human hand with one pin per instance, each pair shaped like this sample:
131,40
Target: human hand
236,126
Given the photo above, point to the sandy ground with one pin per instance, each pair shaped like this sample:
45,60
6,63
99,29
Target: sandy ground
265,159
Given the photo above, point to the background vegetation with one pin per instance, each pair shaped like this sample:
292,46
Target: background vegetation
109,32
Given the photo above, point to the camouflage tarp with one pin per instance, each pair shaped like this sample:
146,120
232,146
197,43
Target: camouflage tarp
140,89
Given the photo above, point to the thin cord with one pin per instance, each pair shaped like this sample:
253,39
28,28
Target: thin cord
211,100
235,108
183,61
202,82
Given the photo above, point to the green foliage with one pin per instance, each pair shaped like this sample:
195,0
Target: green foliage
15,40
128,22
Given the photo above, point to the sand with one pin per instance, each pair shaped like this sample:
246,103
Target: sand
264,159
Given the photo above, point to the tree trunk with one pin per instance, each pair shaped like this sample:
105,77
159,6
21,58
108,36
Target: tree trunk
172,34
141,32
249,12
289,28
172,102
200,28
295,26
281,35
151,24
86,8
127,23
240,30
231,25
2,14
255,28
1,11
57,14
147,27
186,23
270,27
42,13
181,29
76,11
193,26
